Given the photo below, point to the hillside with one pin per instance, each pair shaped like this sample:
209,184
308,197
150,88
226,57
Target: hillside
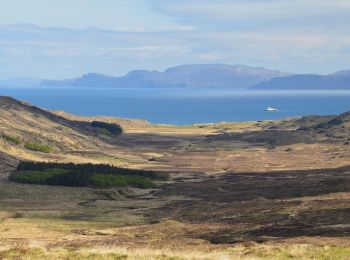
187,76
123,122
339,80
25,128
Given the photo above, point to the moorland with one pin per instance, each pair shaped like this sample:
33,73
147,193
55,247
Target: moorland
246,190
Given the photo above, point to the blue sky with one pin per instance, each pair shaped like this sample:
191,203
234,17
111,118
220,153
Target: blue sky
67,38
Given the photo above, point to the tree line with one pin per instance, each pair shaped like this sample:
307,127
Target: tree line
84,175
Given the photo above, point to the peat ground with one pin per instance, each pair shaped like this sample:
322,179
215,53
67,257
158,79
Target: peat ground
264,206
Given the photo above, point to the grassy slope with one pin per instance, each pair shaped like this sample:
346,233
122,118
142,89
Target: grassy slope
68,140
31,124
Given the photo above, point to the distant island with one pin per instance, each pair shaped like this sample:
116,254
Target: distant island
339,80
185,76
199,76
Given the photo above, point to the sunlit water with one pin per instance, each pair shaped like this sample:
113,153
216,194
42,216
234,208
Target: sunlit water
181,106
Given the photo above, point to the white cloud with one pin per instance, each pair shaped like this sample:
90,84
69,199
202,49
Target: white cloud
292,35
255,14
231,9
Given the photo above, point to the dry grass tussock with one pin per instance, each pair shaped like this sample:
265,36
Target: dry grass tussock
244,252
38,239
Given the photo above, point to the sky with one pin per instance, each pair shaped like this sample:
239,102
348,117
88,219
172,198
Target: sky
67,38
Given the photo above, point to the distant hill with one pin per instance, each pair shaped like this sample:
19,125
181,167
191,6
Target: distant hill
339,80
198,76
187,76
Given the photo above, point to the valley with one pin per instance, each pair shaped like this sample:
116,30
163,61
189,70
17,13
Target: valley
248,190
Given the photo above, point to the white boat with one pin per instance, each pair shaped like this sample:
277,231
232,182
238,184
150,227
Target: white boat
271,109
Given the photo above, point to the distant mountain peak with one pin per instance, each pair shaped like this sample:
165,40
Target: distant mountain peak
188,76
136,73
94,75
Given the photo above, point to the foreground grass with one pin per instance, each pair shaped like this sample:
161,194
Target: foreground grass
301,251
41,222
45,238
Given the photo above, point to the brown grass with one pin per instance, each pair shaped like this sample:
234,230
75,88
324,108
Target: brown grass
199,212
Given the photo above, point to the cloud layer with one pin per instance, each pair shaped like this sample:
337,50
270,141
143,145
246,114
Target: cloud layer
291,35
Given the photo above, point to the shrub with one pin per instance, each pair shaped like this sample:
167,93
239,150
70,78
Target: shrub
106,128
39,147
110,180
107,180
139,182
36,177
102,131
12,139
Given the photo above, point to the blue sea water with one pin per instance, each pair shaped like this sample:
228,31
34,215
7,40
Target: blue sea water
183,106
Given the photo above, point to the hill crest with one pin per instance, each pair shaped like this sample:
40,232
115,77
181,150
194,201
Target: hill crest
186,76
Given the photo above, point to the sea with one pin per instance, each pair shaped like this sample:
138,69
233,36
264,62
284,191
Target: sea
185,106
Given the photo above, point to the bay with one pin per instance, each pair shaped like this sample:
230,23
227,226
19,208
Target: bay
185,106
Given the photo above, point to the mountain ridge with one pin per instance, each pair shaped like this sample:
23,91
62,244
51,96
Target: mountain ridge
197,76
186,76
